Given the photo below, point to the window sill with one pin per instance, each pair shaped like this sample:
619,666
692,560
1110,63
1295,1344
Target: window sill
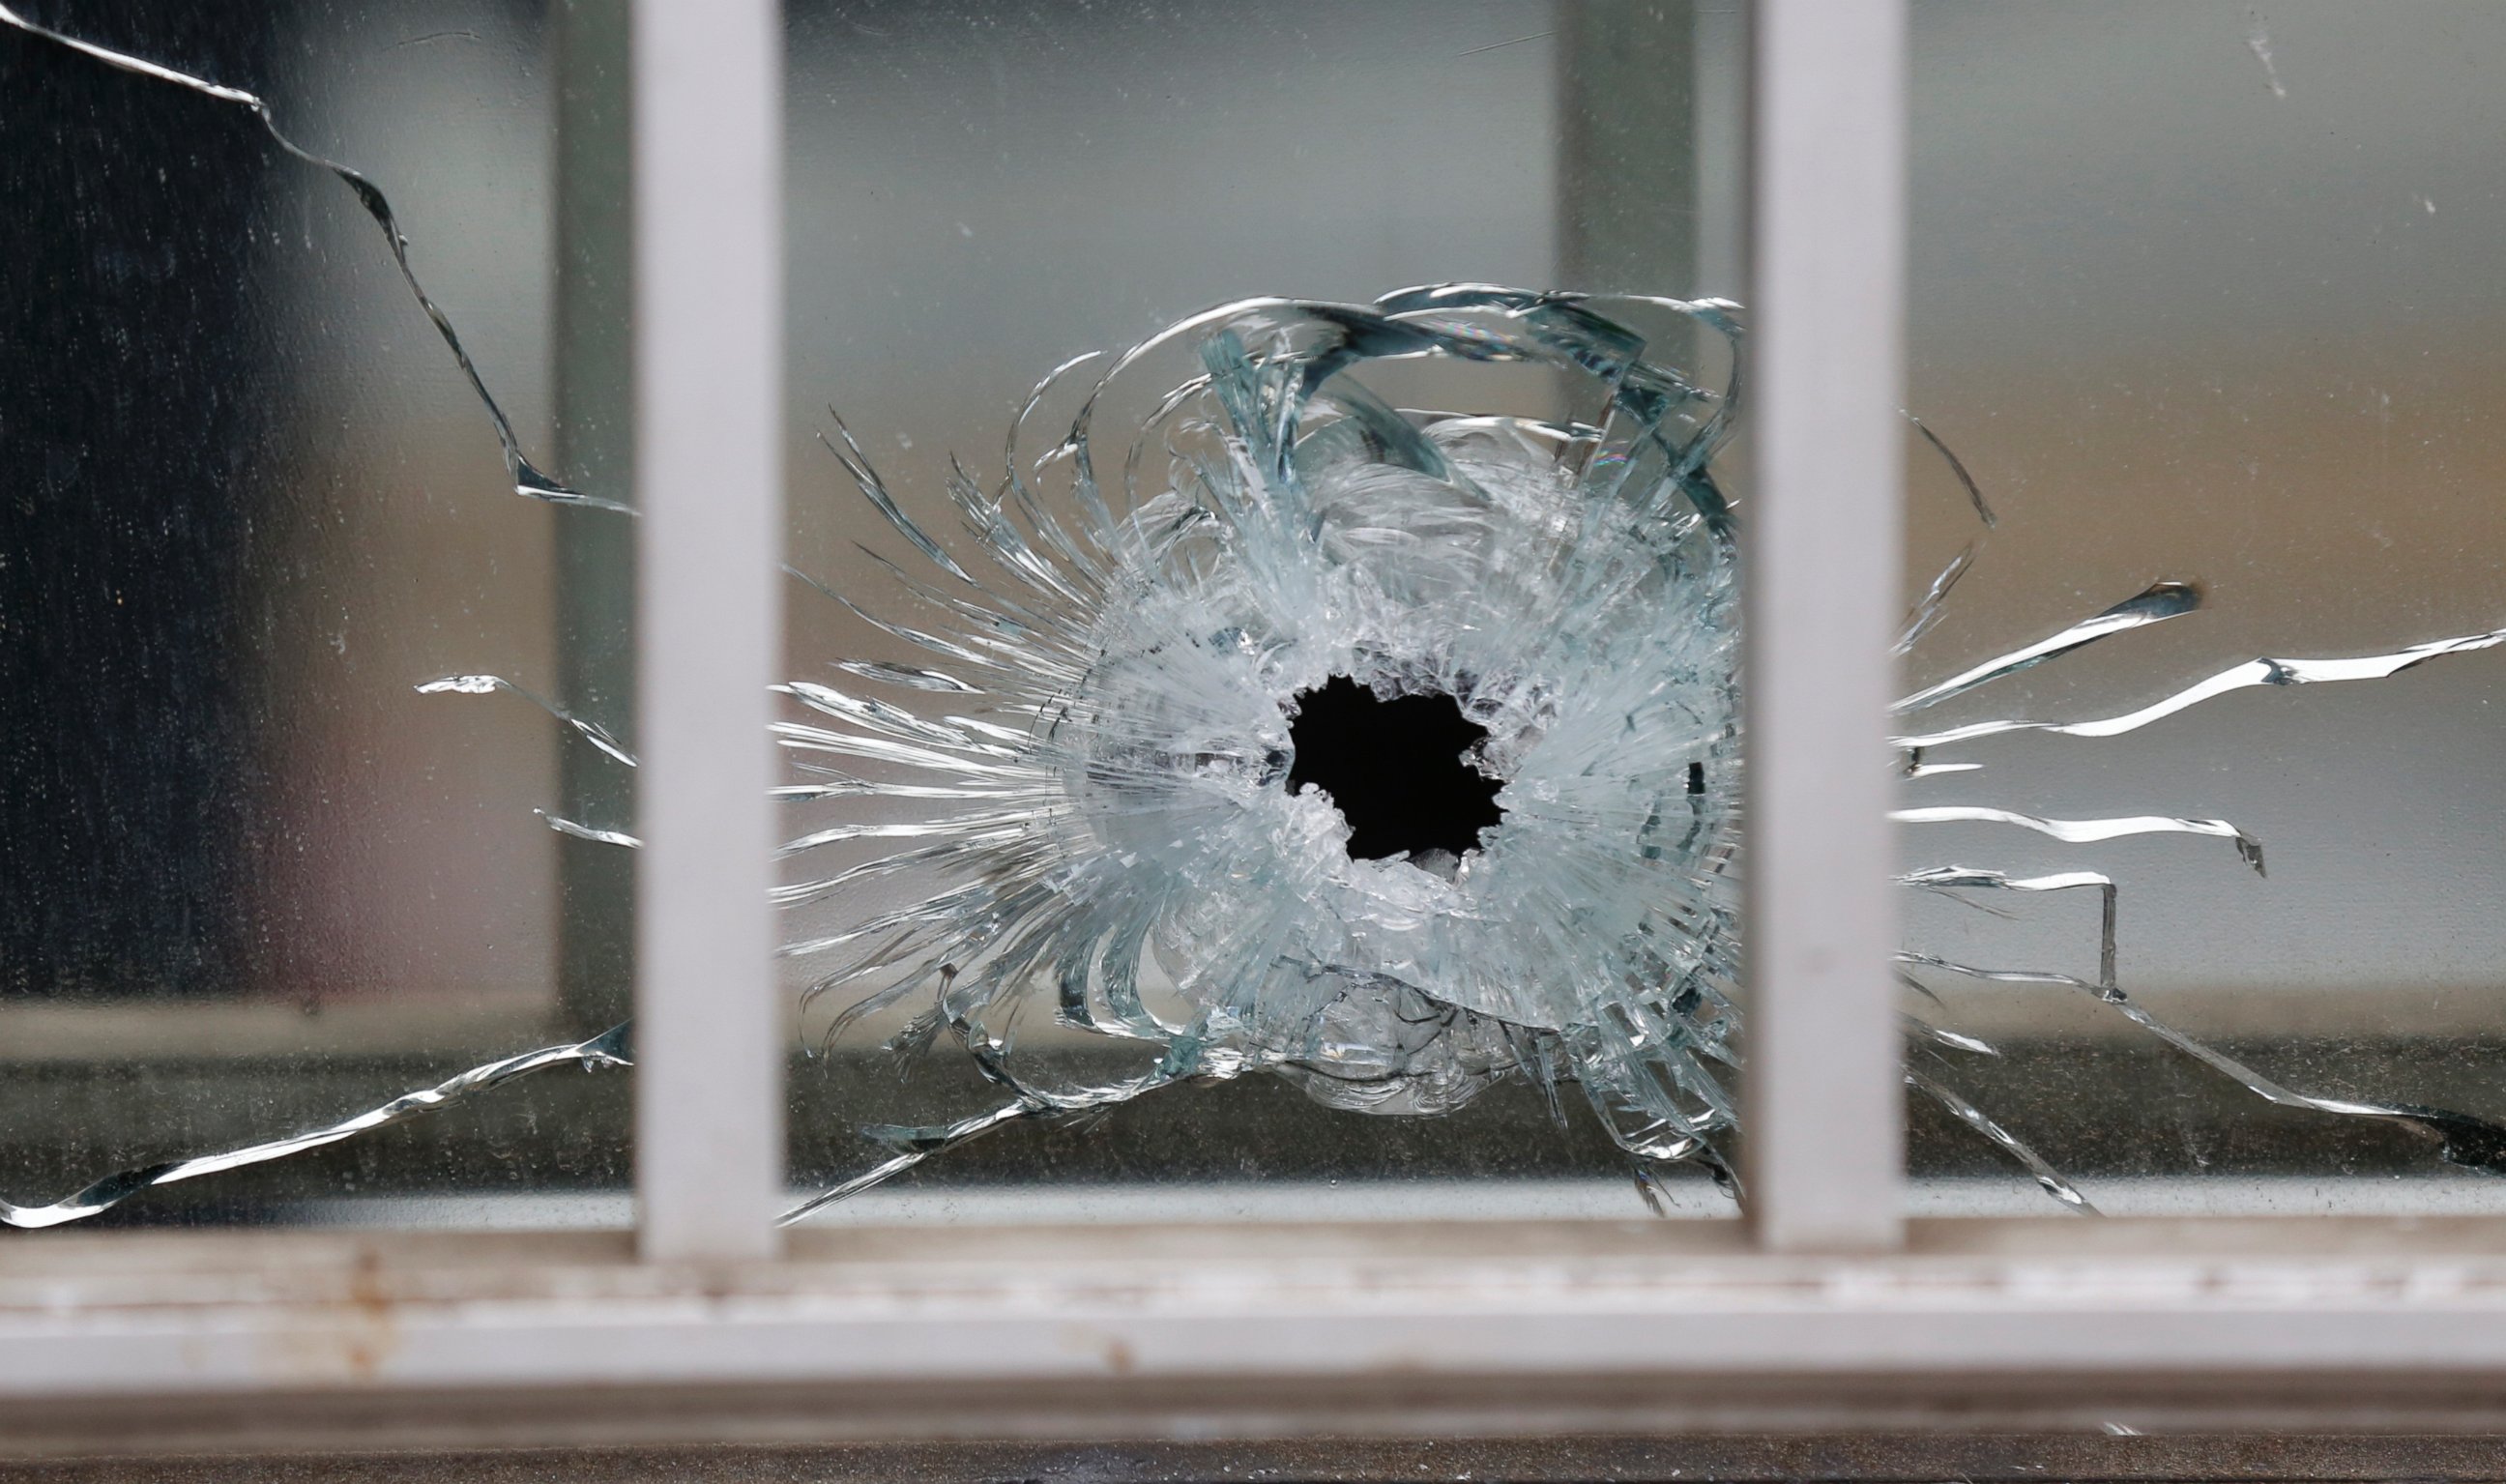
144,1340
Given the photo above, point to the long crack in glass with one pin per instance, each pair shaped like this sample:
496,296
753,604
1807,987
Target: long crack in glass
528,479
1394,753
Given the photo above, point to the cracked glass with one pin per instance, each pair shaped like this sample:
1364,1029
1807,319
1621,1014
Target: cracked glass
1262,716
2202,297
1123,880
1082,170
281,350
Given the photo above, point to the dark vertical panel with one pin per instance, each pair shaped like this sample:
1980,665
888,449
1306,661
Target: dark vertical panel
134,445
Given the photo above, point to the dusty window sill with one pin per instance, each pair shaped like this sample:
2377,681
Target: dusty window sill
136,1340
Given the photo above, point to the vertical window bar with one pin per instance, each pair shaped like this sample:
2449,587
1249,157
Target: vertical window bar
1825,1091
709,480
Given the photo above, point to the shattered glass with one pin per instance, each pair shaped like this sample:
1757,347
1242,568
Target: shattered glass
1051,184
1118,804
1327,705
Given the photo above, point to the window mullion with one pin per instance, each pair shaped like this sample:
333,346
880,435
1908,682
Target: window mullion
709,400
1823,541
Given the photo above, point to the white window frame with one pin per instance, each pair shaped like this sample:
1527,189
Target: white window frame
1828,1312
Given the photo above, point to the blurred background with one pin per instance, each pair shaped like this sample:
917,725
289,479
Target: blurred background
2206,292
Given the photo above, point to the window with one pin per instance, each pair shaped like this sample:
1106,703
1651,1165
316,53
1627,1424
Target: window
932,147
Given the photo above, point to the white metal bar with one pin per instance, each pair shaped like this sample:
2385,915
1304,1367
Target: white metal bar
1825,1095
708,452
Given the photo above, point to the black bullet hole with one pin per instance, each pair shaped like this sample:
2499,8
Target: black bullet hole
1394,768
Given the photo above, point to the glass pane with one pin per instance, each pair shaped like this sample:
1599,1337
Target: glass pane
2206,294
1181,1014
256,882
